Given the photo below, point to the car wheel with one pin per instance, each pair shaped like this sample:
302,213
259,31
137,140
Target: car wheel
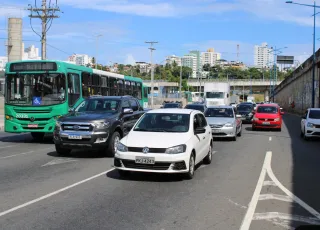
207,160
253,128
234,138
123,173
192,163
304,136
62,151
301,134
37,136
240,133
112,147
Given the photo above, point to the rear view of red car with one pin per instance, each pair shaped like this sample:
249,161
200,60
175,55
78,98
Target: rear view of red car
267,116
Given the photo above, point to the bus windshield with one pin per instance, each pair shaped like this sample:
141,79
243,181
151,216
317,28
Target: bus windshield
35,89
217,95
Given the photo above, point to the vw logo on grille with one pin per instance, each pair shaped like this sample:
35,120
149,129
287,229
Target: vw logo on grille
76,127
32,119
145,150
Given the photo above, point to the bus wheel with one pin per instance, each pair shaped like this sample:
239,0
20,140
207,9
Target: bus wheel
37,136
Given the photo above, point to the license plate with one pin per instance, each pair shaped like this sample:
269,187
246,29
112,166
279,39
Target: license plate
215,130
74,137
266,123
145,160
33,126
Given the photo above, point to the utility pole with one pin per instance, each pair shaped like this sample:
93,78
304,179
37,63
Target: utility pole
47,15
180,84
152,70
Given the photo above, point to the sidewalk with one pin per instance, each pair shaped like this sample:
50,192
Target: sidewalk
1,122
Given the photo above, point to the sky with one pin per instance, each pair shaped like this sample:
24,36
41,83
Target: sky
177,25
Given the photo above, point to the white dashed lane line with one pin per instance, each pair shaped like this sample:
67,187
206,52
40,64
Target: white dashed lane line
270,138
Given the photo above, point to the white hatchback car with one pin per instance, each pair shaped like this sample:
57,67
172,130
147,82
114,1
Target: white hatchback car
166,141
310,123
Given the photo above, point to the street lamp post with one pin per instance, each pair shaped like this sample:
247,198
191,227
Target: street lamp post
97,39
314,46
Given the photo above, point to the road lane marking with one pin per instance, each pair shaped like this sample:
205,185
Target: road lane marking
25,153
269,183
59,161
270,138
8,146
236,204
250,215
53,193
275,197
254,201
287,217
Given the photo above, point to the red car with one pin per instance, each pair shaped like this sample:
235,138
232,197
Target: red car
267,116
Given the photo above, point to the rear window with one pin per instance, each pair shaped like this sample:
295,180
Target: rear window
267,109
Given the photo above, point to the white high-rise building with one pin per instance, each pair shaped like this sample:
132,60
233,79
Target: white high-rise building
191,61
3,62
173,58
263,56
30,53
210,57
80,59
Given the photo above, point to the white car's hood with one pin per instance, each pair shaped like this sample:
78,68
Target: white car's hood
155,139
314,121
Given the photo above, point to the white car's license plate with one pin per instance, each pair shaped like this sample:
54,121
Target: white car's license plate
266,123
215,130
145,160
74,137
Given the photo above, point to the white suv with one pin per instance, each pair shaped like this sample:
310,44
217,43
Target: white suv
310,123
166,141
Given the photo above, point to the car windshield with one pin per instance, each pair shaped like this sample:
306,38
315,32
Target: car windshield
245,107
195,107
171,105
99,105
314,114
219,112
163,122
35,89
267,109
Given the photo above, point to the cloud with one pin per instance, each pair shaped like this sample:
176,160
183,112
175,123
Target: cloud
12,10
272,10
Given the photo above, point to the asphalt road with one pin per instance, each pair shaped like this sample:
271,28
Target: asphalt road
264,180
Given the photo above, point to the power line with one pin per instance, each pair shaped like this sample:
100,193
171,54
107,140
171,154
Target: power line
47,15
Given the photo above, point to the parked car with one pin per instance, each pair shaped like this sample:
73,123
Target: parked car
97,123
310,123
246,111
166,141
172,105
267,116
200,107
224,122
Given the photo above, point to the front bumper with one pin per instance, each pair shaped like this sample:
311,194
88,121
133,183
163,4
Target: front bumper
17,126
163,163
312,132
223,132
266,125
89,140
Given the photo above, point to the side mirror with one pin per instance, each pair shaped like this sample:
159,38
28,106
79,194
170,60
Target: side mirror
238,116
70,110
127,111
199,130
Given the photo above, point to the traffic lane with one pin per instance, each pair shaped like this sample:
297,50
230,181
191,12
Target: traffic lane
216,197
26,176
302,161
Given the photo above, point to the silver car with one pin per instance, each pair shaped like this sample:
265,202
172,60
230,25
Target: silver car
224,122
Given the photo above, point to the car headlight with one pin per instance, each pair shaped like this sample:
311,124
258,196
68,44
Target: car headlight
228,125
58,124
122,148
176,149
250,114
101,124
255,119
277,119
310,125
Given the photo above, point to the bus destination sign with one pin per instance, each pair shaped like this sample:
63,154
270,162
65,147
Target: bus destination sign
33,66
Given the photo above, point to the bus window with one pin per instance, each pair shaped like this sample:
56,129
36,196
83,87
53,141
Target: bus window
104,86
73,88
139,89
134,89
96,83
85,80
120,87
128,87
145,92
113,87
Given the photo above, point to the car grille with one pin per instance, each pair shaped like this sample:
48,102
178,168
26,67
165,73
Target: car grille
151,150
266,119
216,126
77,127
317,126
156,166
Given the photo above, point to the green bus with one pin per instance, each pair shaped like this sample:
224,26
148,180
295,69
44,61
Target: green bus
38,92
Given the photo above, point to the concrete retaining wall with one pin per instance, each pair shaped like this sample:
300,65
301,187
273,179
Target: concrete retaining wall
298,88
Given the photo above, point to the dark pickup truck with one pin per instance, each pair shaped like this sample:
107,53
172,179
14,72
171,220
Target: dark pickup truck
99,122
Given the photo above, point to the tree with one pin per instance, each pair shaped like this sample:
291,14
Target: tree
206,67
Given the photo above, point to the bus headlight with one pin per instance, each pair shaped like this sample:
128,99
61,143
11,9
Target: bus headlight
9,118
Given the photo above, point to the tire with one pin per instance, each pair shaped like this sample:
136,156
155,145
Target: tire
240,133
192,164
123,173
301,134
208,159
38,136
304,136
62,151
111,150
253,128
234,138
